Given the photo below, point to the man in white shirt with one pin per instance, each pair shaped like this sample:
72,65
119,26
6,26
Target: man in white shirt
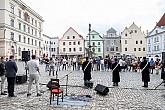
33,67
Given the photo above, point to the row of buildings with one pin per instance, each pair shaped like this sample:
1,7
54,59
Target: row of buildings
21,29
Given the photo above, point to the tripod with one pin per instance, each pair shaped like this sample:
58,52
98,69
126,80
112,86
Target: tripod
160,84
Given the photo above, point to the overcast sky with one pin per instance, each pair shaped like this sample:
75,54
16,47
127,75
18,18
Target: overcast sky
59,15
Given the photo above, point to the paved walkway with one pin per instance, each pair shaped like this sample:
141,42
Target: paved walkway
129,95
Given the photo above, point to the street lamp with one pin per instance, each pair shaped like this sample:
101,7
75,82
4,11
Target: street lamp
89,52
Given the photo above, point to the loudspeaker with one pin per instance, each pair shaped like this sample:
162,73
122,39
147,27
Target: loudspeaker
102,90
25,55
163,57
21,79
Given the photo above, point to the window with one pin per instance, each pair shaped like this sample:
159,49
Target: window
36,23
63,49
12,36
93,43
149,49
32,41
28,29
93,37
112,48
139,49
28,40
19,12
149,41
70,49
125,49
156,31
80,48
67,37
134,49
63,43
78,42
99,50
39,44
52,49
19,38
135,31
154,48
36,32
24,39
144,49
70,43
12,22
126,34
141,42
74,49
107,48
125,41
155,39
32,21
74,43
98,43
136,42
35,42
158,48
19,26
117,49
32,31
24,28
12,8
73,37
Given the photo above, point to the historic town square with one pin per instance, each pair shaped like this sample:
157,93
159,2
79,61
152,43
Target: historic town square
82,55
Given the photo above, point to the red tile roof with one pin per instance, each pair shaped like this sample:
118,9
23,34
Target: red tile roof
161,21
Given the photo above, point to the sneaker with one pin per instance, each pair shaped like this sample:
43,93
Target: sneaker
38,94
28,94
3,94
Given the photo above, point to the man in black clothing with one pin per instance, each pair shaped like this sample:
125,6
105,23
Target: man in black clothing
11,70
115,73
145,66
86,67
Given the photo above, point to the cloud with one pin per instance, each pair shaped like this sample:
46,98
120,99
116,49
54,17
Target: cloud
59,15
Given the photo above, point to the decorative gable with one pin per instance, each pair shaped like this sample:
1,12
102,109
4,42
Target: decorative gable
71,34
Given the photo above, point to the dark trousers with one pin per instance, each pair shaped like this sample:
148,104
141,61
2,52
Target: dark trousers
11,83
145,84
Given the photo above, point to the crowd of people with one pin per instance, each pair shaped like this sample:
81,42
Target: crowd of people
8,69
116,65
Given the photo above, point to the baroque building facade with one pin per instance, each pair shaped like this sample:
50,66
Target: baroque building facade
112,43
133,41
71,44
156,39
20,29
50,46
95,42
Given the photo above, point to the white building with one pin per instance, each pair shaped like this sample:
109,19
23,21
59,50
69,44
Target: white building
50,46
71,44
156,39
20,29
133,41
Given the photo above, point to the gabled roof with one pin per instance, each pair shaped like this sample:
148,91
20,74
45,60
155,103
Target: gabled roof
74,31
161,21
96,33
111,30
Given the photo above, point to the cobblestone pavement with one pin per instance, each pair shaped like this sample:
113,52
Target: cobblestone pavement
129,95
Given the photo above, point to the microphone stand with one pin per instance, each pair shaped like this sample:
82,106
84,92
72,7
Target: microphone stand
159,84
